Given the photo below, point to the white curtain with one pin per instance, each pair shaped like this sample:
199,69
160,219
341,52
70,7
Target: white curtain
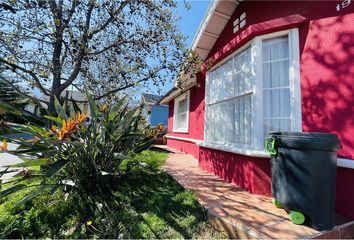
276,87
181,120
229,102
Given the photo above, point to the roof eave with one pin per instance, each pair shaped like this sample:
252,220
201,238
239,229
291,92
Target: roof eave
203,31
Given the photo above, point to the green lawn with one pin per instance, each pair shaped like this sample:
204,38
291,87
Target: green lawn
147,203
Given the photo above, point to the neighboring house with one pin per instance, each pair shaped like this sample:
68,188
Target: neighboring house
280,65
78,97
154,114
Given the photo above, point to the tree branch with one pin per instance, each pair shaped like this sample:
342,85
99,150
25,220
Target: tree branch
111,46
35,78
131,84
110,19
71,13
81,53
22,93
57,43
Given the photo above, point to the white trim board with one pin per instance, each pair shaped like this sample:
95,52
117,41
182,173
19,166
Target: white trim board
184,96
341,162
238,150
196,141
345,163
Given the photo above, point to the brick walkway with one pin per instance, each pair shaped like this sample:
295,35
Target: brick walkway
237,212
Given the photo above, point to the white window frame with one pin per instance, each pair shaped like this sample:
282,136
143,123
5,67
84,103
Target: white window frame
186,96
257,143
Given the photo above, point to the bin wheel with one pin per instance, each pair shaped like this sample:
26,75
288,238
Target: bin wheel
276,203
296,217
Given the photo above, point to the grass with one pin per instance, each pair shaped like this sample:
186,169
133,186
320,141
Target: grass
147,203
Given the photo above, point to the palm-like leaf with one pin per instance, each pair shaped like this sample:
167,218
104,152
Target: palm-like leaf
84,153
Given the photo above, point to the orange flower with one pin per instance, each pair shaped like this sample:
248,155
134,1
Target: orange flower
4,145
154,133
80,118
104,108
67,128
54,128
161,127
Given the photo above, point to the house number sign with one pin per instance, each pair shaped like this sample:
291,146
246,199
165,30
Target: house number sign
343,4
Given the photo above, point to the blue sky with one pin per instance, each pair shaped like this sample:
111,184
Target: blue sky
189,24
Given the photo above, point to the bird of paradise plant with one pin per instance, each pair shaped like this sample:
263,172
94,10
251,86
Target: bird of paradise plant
69,126
86,155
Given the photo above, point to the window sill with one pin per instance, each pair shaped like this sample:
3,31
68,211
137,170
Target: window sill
238,150
341,162
180,131
196,141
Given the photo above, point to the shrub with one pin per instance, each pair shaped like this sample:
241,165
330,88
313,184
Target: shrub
82,157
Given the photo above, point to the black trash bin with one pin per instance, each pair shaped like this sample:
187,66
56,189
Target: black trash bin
304,176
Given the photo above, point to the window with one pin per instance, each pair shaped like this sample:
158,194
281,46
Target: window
229,101
276,85
253,92
240,22
181,113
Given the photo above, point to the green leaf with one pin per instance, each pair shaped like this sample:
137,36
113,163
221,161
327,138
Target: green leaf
143,147
12,190
93,107
29,129
5,171
59,109
129,118
55,167
54,119
38,130
76,107
10,109
116,108
32,195
38,148
32,163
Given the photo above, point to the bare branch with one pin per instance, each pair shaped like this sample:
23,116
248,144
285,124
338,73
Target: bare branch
14,87
81,53
35,78
115,44
71,13
110,19
144,79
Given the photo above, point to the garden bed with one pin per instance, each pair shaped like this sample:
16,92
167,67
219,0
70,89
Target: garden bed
147,203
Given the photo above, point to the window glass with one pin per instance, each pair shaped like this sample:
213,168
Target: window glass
231,102
181,113
229,106
276,87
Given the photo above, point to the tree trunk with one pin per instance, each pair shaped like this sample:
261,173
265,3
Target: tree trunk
51,106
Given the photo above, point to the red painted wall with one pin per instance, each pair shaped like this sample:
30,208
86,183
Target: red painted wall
196,109
184,146
327,79
252,174
327,88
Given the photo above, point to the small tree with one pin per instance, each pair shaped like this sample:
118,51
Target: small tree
110,45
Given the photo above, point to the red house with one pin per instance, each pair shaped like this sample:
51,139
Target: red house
267,65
